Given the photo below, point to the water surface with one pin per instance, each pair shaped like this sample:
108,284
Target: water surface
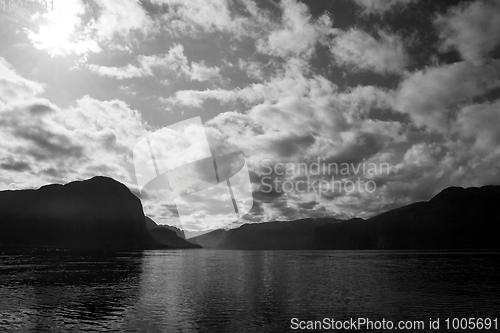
240,291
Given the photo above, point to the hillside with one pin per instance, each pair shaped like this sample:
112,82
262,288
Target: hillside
273,235
95,213
167,235
456,218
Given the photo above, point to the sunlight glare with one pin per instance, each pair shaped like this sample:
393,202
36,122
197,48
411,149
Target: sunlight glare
53,37
57,32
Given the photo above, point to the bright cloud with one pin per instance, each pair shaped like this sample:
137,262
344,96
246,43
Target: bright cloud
381,6
471,28
120,17
13,87
174,60
298,33
193,17
48,144
67,29
431,96
386,54
61,31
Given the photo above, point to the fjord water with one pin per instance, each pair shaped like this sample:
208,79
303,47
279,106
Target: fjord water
240,291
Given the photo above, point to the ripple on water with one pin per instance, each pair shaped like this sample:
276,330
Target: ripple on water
233,291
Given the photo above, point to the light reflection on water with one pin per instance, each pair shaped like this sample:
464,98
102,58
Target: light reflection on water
240,291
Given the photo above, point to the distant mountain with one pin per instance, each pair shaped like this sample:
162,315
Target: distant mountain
95,213
178,231
152,224
165,235
456,218
211,239
272,235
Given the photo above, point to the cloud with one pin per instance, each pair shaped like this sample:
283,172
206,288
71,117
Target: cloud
12,165
293,80
174,60
120,18
127,72
423,155
93,137
61,30
479,122
195,98
42,143
430,96
298,116
71,28
201,72
472,28
298,33
284,82
13,87
383,55
196,16
292,104
253,69
381,6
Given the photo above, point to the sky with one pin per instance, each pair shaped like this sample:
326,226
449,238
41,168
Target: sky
305,91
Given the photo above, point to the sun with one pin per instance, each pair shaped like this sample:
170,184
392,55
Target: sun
53,38
61,31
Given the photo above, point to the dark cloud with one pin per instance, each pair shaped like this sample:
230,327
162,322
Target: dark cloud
18,166
172,208
284,209
48,145
40,109
291,145
53,172
307,205
364,146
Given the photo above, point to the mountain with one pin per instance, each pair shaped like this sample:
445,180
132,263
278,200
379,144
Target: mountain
456,218
211,239
165,235
178,231
273,235
150,224
99,213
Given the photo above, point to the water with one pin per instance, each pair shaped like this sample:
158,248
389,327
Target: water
241,291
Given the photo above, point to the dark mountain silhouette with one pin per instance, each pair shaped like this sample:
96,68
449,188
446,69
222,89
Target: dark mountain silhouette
101,213
165,235
150,224
211,239
95,213
178,231
456,218
273,235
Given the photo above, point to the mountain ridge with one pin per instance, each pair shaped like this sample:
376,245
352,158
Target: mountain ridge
88,214
103,213
419,225
455,218
168,235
